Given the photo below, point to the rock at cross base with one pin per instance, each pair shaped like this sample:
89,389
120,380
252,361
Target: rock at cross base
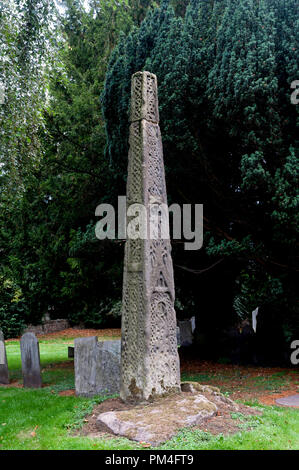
157,422
30,361
149,356
97,366
4,375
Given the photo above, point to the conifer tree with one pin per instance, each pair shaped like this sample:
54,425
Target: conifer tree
229,133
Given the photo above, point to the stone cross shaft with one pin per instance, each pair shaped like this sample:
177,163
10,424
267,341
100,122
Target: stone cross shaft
149,355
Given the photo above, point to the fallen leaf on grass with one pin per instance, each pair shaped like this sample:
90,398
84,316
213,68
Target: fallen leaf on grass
33,433
145,444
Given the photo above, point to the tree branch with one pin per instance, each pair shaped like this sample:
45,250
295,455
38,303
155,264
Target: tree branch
200,271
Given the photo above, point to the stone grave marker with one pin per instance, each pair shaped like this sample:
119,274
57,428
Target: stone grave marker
30,361
4,375
186,331
97,366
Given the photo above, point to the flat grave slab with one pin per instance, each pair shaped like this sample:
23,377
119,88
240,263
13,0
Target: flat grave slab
292,400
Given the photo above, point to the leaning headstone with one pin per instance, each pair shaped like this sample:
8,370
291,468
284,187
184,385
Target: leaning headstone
149,361
4,376
30,361
97,366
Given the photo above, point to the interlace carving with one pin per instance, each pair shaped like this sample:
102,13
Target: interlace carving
150,363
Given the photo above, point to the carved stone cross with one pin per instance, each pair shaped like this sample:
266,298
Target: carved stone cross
149,357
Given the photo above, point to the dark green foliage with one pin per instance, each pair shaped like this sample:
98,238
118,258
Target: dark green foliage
24,37
230,142
13,309
55,173
53,170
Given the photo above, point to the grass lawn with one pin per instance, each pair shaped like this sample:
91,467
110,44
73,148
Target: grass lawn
42,419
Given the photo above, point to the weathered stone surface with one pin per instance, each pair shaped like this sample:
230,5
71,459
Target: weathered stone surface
193,324
144,98
218,397
97,366
48,326
178,337
30,361
186,332
4,375
197,387
292,401
149,361
158,421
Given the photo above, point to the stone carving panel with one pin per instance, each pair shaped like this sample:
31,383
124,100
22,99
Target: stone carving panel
149,357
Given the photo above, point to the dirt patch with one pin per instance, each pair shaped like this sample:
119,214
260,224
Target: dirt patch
16,384
12,384
271,399
60,365
246,394
77,333
214,369
67,393
226,420
244,383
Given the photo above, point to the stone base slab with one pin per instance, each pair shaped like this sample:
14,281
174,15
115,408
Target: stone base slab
157,422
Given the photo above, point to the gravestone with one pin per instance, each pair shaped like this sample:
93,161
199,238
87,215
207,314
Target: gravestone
97,366
193,323
187,328
160,420
149,360
30,361
4,376
178,336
